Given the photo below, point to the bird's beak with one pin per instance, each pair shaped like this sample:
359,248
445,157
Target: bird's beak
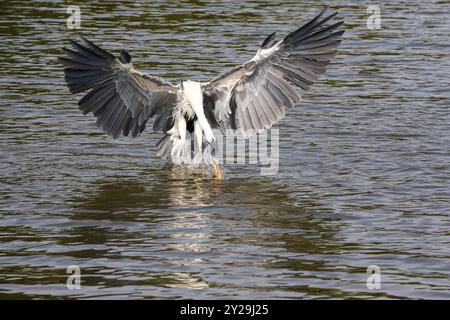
217,173
215,164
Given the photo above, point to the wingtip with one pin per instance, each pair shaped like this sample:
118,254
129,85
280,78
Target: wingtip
86,40
125,57
268,42
330,16
76,45
321,12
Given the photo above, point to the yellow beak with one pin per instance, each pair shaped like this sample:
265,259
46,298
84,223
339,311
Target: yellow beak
217,173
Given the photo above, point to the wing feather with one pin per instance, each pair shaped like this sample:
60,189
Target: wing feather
254,96
122,98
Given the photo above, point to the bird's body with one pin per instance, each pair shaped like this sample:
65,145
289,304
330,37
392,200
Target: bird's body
189,110
250,98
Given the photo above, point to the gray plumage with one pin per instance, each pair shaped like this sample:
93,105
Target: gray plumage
250,97
121,98
254,95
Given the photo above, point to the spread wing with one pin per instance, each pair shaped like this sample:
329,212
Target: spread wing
122,98
254,96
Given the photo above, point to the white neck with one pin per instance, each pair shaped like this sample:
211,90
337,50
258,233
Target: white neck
192,90
193,93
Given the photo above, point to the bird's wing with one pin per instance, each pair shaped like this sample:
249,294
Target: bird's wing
121,98
253,96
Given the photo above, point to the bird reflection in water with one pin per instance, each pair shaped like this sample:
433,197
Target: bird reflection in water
181,218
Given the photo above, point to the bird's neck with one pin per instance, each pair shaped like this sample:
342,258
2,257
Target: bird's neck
192,92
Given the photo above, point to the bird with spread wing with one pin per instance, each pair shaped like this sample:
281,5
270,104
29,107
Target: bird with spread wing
249,98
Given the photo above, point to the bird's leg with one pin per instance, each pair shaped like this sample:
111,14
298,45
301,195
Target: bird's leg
217,172
182,132
198,133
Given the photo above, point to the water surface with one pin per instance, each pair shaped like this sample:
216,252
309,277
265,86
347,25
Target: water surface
364,162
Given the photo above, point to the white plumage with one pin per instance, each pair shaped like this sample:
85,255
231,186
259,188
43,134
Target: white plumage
189,107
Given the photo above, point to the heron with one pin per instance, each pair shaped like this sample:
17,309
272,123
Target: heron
251,97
